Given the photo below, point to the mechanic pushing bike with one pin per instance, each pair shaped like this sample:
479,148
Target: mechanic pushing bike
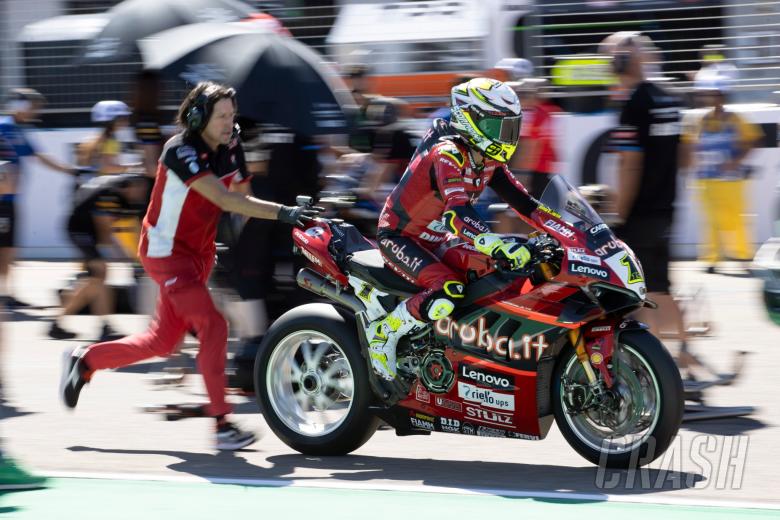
201,173
449,170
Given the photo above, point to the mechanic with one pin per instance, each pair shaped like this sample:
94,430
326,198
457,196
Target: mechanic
454,163
201,173
97,204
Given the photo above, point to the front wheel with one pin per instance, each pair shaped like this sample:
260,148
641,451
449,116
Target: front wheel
638,417
311,382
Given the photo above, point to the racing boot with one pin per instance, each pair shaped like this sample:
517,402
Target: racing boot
383,335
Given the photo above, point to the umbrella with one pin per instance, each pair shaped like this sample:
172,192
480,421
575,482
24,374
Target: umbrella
132,20
278,79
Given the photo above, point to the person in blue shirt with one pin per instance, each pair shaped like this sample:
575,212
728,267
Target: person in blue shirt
21,110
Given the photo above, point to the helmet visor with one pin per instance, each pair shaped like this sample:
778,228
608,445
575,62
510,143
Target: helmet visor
505,130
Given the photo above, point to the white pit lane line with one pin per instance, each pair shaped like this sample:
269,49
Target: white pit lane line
367,486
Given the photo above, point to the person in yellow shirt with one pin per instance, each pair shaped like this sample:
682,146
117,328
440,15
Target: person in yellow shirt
715,145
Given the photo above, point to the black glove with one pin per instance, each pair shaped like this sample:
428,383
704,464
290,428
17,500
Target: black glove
298,215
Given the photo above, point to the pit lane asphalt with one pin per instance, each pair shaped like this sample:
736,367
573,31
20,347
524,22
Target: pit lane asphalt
109,435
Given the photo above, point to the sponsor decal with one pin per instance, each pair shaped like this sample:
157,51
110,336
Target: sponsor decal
431,238
603,328
422,395
448,163
468,429
560,228
606,248
449,425
301,236
453,180
516,435
489,416
487,431
443,402
528,347
412,262
450,191
423,425
596,358
579,255
486,397
313,259
481,227
486,377
437,226
595,230
548,210
587,270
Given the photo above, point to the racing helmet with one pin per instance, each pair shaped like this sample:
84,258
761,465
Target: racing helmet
486,113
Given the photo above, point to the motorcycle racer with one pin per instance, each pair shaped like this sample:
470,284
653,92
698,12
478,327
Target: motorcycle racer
446,175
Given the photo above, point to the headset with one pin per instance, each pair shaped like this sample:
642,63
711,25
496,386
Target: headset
198,114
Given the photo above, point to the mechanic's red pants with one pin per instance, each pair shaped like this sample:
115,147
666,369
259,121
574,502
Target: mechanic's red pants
184,305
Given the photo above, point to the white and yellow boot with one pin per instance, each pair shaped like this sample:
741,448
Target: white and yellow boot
383,336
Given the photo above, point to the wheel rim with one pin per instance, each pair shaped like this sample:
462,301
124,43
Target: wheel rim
310,383
635,404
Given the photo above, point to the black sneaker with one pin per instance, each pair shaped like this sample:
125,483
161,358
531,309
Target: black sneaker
107,333
57,332
13,303
231,437
73,376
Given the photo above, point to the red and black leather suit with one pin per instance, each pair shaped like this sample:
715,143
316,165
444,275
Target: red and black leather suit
433,199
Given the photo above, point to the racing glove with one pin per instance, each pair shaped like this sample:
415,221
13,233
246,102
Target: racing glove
297,215
492,245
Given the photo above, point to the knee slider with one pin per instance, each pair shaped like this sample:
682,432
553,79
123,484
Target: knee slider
441,303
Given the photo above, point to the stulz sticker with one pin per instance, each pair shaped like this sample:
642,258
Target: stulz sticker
422,395
577,254
560,228
443,402
424,422
489,416
527,348
486,377
486,397
586,270
449,425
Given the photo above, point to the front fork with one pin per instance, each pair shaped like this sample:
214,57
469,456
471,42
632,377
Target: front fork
589,355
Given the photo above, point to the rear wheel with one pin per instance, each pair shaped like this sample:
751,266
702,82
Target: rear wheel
311,382
638,417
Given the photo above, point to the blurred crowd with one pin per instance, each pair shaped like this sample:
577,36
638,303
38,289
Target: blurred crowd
352,174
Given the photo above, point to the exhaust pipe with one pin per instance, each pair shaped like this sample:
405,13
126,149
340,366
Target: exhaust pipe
317,284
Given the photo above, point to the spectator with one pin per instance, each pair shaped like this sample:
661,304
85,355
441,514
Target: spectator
715,145
96,204
102,152
22,109
647,140
536,156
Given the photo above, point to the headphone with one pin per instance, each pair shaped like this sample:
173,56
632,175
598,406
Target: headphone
198,114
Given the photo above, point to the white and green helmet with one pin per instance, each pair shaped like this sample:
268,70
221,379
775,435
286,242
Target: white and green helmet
487,114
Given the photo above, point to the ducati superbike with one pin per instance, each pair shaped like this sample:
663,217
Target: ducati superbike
523,349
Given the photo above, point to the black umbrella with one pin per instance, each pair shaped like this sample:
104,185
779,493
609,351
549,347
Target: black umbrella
278,79
132,20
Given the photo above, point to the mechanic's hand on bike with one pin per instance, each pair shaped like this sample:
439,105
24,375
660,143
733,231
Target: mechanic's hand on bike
298,215
491,244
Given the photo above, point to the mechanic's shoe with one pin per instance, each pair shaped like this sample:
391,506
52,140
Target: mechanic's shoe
231,437
74,376
13,477
383,336
13,303
107,333
57,332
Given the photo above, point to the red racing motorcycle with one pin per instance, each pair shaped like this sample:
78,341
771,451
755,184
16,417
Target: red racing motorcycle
550,341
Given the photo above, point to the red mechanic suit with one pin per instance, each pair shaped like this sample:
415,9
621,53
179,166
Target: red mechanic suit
177,251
